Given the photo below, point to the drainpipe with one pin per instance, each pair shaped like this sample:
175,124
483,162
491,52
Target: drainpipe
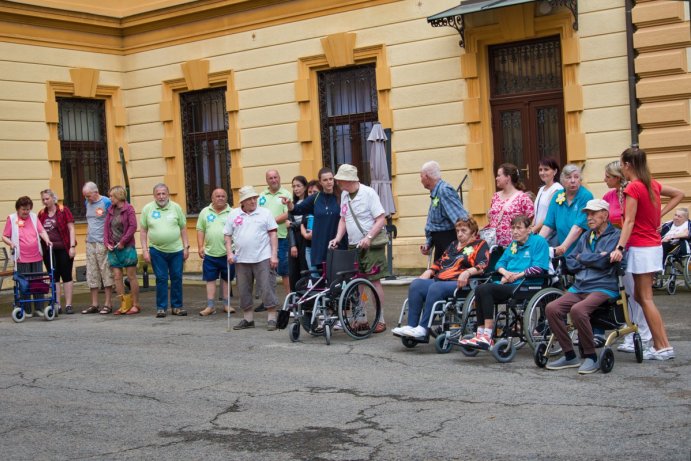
631,55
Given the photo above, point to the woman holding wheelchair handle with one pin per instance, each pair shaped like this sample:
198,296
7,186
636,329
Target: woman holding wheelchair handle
526,256
640,238
466,257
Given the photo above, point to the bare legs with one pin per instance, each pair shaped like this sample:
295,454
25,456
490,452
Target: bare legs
643,293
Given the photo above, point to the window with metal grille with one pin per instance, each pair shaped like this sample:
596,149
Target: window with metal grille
84,149
205,146
348,109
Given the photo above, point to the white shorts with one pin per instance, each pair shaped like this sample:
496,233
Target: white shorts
644,260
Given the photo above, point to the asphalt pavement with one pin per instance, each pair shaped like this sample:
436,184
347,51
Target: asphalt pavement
92,387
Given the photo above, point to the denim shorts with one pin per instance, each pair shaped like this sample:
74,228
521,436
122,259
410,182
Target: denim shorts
283,250
215,266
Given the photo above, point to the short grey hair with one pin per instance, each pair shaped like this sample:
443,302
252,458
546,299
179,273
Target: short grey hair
159,186
431,169
90,186
684,211
568,170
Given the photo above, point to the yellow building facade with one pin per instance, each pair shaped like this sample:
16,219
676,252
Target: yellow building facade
437,98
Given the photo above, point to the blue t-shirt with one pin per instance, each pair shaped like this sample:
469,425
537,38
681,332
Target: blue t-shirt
517,257
96,219
561,216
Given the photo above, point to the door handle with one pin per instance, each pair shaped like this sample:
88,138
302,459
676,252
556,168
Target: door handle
527,171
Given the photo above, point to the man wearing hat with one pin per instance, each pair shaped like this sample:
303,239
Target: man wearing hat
595,282
363,216
253,231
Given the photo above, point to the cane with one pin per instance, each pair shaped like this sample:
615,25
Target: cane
228,294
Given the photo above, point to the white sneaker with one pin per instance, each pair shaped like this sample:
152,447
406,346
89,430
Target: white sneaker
338,326
626,347
401,330
417,332
663,354
38,313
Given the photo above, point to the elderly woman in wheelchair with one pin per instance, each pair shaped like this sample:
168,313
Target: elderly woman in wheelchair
527,256
466,257
595,283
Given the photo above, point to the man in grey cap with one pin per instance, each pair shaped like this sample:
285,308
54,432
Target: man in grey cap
595,282
253,231
363,216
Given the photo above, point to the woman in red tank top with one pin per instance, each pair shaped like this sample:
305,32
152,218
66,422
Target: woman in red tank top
642,242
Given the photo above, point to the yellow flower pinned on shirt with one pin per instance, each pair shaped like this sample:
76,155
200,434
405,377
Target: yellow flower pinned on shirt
561,198
514,248
468,251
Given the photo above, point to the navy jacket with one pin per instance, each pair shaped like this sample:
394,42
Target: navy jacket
593,270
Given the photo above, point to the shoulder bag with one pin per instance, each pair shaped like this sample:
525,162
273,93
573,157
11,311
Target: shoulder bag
379,241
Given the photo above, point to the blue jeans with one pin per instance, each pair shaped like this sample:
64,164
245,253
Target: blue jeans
424,293
167,265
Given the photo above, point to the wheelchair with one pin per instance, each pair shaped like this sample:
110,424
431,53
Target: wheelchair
447,314
338,295
516,322
676,265
612,315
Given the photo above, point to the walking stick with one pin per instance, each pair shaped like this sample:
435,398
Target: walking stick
228,294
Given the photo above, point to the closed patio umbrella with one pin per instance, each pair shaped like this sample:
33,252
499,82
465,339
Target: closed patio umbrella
381,183
379,169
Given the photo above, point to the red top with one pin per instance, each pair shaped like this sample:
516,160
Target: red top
647,219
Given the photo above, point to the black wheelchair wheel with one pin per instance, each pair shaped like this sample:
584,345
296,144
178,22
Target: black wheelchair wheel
408,342
606,360
442,344
672,284
686,263
468,317
540,355
294,331
503,351
359,308
535,326
638,347
466,350
327,334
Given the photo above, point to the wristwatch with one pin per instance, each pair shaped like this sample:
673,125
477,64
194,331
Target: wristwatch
620,248
369,237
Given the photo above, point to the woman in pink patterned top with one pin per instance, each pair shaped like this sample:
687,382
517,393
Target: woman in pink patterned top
509,202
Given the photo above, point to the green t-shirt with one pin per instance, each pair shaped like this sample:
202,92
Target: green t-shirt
163,226
274,204
212,223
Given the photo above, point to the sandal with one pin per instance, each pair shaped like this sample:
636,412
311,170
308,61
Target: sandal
179,311
208,311
105,310
133,310
90,310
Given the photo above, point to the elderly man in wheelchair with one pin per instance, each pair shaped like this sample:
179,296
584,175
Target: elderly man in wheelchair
595,283
466,257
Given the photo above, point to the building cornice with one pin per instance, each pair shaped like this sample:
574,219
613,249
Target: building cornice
163,27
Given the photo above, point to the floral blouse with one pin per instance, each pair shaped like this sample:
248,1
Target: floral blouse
454,261
520,205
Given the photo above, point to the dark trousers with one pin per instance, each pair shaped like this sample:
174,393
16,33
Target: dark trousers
441,241
581,306
487,296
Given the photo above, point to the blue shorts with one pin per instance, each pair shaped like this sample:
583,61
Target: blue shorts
214,267
283,250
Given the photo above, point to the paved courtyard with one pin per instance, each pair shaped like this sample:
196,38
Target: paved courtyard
136,387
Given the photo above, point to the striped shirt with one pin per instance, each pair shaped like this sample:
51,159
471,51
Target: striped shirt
444,210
